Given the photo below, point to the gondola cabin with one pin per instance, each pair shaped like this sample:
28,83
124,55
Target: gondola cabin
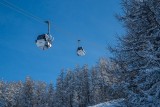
44,41
80,51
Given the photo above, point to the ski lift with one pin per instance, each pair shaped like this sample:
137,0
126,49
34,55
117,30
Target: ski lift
44,41
80,50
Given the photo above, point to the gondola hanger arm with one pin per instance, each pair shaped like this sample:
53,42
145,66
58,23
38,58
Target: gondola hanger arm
48,23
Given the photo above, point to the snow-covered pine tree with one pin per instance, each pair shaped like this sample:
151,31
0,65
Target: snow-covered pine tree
18,94
40,94
28,93
2,91
51,96
69,88
60,90
81,87
85,85
78,95
12,94
103,79
138,54
94,88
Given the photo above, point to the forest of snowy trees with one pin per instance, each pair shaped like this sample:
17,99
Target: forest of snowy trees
133,73
74,88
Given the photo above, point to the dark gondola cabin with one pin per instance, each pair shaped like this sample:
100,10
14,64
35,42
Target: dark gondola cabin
80,51
44,41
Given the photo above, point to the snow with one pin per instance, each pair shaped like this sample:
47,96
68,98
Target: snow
113,103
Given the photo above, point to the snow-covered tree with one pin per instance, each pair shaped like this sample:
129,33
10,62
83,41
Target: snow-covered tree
11,94
28,99
40,94
103,78
60,90
69,88
86,85
78,94
51,96
18,94
94,88
138,53
2,91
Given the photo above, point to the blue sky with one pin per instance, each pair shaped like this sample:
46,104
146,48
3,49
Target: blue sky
92,21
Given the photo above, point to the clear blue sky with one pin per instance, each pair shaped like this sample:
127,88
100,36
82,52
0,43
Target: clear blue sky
92,21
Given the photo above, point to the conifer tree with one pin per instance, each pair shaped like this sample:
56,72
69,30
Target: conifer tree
51,96
60,90
69,88
40,99
138,53
28,93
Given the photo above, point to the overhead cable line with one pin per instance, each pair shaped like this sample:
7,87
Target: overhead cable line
19,10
